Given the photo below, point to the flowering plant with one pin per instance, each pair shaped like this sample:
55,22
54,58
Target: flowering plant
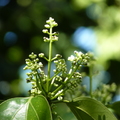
48,89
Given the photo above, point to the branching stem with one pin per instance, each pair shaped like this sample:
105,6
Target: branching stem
62,85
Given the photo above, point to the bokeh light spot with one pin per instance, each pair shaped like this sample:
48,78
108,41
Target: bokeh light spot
97,79
116,98
4,87
80,4
24,86
15,54
85,38
94,11
4,2
24,3
10,38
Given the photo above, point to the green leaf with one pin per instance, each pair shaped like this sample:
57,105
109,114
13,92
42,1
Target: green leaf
28,108
80,114
116,107
85,108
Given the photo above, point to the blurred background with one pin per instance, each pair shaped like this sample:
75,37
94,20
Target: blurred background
84,25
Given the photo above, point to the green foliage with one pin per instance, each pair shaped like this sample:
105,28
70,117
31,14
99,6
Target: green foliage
90,109
104,93
115,107
48,89
28,108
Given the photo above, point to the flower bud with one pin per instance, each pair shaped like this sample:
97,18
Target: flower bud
41,55
113,87
32,55
60,98
47,26
58,56
46,39
50,20
45,31
54,38
55,24
56,85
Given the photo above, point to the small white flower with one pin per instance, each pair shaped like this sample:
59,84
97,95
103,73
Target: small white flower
51,19
41,55
40,64
47,26
78,54
55,24
60,98
71,58
45,31
54,38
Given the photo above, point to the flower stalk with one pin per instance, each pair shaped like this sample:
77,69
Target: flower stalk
54,87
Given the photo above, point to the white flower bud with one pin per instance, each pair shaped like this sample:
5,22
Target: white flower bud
41,55
71,58
45,31
55,24
51,19
60,98
47,26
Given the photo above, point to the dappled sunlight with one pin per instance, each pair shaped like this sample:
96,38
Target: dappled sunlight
24,3
85,38
108,45
4,88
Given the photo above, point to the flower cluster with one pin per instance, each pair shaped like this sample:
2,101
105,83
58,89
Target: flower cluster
49,25
79,58
54,87
60,66
104,93
33,63
71,93
36,74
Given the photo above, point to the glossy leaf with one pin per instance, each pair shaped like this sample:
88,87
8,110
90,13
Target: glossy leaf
116,107
80,114
85,108
28,108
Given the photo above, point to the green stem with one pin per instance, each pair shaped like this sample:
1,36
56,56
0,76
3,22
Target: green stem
90,76
50,59
40,84
62,85
52,79
55,91
56,95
